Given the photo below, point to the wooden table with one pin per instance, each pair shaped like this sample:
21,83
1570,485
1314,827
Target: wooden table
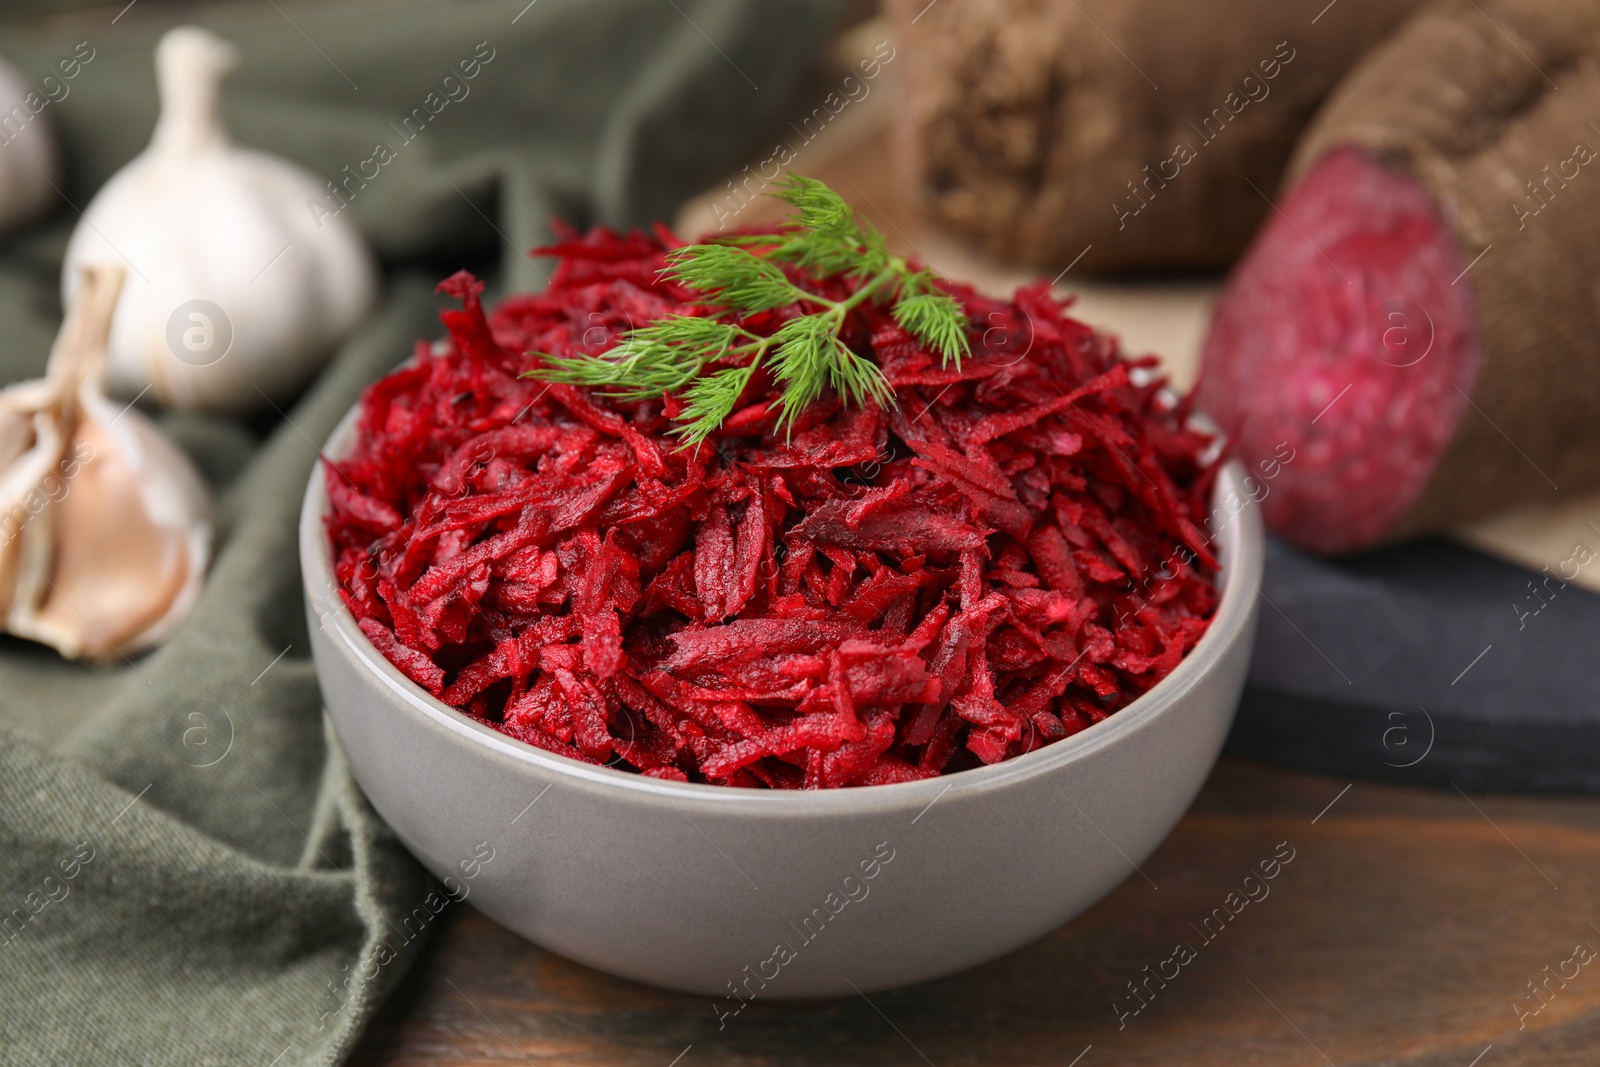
1404,931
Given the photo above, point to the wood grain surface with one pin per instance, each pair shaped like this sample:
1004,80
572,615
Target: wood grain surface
1405,931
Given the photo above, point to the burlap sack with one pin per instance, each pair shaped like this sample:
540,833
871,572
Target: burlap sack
1132,128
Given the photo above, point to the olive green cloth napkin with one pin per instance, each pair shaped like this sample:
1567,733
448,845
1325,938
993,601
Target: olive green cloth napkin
188,874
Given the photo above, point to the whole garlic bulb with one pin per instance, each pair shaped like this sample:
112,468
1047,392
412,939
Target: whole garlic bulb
27,150
105,528
235,291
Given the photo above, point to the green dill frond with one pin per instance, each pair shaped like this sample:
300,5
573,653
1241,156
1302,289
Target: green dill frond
732,277
937,321
638,382
858,380
915,283
660,358
687,331
744,274
807,349
828,239
709,402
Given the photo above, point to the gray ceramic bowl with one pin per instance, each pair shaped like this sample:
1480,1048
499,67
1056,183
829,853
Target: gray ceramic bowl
737,893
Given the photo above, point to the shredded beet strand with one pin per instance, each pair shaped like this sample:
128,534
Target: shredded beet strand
1002,559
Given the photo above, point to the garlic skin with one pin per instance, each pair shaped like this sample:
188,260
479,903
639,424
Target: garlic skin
234,295
28,157
105,528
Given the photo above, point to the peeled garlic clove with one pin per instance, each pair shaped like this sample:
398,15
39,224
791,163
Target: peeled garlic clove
105,529
27,150
236,292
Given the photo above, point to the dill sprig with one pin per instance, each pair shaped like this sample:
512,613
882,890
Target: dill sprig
711,358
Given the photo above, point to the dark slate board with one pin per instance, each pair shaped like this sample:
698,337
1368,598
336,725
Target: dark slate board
1426,663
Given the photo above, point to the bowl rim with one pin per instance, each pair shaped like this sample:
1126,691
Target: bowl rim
1243,550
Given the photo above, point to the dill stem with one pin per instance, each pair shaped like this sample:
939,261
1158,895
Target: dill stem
838,309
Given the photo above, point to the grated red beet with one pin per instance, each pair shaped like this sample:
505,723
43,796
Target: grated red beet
1000,561
1342,353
